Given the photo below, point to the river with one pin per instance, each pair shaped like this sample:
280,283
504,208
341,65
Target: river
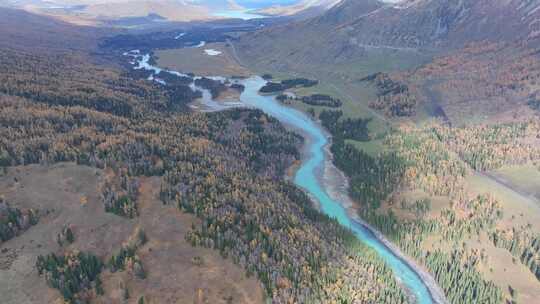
322,181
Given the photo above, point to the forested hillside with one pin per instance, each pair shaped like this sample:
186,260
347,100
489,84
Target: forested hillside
417,193
225,168
482,82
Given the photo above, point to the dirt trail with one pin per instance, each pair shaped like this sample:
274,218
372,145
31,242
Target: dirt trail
525,196
234,53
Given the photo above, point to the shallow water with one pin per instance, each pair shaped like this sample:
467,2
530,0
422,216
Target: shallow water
236,14
306,177
259,4
212,52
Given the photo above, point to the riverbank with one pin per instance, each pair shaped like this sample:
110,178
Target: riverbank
337,185
309,177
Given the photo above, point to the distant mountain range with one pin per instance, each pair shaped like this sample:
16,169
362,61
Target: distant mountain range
350,28
300,7
415,24
87,11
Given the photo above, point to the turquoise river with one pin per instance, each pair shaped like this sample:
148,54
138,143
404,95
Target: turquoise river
419,284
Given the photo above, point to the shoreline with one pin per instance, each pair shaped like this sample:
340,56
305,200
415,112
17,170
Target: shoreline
331,178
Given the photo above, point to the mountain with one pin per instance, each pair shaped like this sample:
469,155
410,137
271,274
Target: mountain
23,30
418,23
308,46
92,12
302,8
345,31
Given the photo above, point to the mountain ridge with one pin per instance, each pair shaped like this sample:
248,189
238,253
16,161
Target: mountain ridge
411,24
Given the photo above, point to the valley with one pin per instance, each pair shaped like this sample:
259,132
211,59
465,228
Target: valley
95,118
419,285
495,106
437,205
368,153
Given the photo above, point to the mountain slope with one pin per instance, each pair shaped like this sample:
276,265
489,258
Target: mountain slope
23,30
308,41
416,23
349,29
